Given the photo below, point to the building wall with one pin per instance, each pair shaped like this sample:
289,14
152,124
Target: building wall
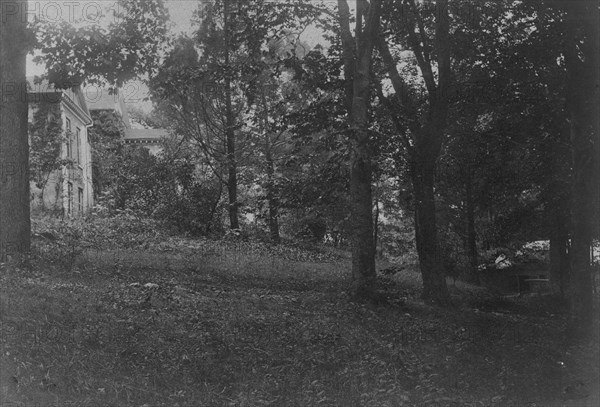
69,189
78,198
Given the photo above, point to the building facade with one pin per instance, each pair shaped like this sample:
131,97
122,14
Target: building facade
60,151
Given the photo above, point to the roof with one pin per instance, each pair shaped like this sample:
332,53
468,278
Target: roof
149,135
104,99
73,97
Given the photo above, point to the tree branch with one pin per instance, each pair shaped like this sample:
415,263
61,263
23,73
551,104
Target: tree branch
395,119
424,63
349,51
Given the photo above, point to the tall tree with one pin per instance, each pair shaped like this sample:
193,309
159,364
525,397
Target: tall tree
230,125
358,54
427,135
14,148
224,89
582,59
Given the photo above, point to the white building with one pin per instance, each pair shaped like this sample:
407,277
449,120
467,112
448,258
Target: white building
62,175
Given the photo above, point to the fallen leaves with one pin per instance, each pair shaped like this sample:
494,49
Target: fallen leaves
256,329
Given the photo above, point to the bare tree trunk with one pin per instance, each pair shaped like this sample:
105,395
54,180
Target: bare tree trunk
582,59
358,53
230,133
14,147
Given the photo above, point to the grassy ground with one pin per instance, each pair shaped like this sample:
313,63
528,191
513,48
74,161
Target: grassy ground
189,323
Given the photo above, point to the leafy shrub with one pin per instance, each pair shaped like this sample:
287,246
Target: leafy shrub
60,241
168,190
306,225
396,238
57,241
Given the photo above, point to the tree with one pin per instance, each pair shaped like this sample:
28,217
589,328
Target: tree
14,148
315,187
127,48
230,125
582,59
357,55
200,80
426,136
221,90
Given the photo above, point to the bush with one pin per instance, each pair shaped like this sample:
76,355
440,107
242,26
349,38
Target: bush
60,241
57,241
169,190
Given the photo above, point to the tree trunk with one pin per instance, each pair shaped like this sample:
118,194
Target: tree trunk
14,147
427,140
230,132
435,289
427,149
213,210
272,200
376,223
559,250
558,212
363,249
471,236
272,194
581,60
357,59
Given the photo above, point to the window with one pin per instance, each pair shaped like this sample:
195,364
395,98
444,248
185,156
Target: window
78,145
80,200
69,198
69,141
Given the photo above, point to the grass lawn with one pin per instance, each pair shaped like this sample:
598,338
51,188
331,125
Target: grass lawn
197,323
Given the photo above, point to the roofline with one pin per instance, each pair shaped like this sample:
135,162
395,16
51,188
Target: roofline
83,116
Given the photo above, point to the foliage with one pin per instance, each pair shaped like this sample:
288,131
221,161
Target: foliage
227,90
106,140
164,188
121,51
169,187
71,236
46,140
